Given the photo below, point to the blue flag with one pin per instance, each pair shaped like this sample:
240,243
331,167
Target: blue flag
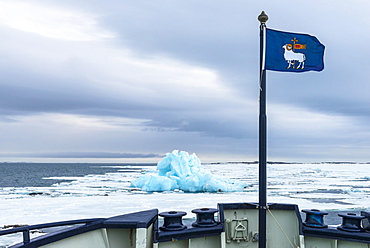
292,52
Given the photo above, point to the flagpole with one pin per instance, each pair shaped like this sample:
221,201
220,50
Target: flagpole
262,137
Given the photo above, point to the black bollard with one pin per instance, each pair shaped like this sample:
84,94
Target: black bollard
315,218
351,222
172,221
205,217
366,221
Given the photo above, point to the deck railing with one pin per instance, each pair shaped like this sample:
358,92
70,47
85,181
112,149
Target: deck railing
26,229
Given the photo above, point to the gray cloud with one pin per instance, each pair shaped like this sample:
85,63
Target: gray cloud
183,72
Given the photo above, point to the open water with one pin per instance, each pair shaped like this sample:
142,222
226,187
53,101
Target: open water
39,174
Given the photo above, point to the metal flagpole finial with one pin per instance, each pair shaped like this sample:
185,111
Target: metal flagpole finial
263,17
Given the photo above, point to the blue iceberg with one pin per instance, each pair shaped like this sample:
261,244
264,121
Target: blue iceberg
181,171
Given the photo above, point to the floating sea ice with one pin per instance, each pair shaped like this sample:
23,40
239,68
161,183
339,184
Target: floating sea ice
179,170
154,183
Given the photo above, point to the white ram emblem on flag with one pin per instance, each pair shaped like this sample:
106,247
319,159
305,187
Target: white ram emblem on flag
292,57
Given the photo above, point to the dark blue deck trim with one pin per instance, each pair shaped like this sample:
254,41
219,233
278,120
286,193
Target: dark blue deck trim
141,219
189,233
332,232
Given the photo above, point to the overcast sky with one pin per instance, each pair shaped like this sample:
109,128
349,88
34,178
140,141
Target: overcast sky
132,80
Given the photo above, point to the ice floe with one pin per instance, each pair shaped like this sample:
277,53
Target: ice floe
182,171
